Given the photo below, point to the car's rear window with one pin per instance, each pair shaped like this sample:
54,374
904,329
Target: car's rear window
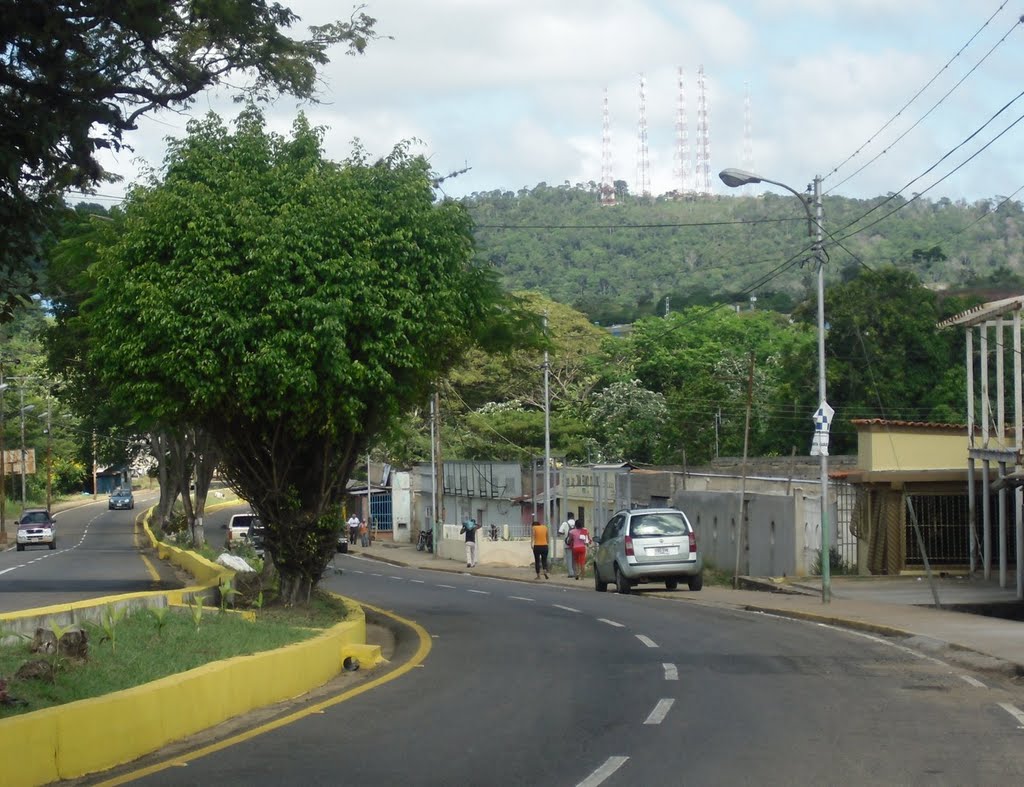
666,524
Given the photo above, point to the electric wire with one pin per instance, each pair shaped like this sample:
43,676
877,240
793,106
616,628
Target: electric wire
917,94
926,114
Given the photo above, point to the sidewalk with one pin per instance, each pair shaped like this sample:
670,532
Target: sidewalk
885,606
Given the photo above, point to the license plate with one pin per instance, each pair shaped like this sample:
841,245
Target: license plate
661,550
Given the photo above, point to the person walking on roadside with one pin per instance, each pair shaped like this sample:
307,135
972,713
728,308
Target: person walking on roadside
580,538
469,528
353,528
540,548
563,535
364,533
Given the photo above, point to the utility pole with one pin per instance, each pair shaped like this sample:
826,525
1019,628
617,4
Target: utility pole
49,457
743,474
547,447
3,463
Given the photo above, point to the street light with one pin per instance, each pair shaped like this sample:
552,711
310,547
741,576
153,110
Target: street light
734,178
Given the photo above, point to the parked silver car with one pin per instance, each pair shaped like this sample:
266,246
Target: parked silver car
648,545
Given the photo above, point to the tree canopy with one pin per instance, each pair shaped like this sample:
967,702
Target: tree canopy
291,307
76,75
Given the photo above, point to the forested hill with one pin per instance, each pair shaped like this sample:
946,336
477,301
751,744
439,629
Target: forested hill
619,262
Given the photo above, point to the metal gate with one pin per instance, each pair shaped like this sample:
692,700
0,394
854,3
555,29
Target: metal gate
380,512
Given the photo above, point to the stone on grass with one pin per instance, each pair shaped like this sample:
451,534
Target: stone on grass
235,563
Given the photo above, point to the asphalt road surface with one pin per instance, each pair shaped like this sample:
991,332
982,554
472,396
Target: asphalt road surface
529,684
97,555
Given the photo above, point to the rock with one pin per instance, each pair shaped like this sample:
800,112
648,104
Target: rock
36,669
235,563
74,645
44,641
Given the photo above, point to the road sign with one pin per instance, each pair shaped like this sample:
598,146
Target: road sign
822,421
12,461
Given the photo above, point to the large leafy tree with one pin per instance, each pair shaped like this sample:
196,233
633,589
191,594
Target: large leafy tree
290,306
76,75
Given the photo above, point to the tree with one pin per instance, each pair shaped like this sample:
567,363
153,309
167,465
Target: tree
291,307
77,74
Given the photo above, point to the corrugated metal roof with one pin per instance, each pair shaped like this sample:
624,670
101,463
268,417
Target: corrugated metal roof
984,312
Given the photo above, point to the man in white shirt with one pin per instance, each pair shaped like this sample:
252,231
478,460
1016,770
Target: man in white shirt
353,529
563,531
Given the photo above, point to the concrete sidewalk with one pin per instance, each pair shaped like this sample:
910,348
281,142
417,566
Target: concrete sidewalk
887,606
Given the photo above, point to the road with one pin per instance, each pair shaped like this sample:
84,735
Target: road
531,684
96,555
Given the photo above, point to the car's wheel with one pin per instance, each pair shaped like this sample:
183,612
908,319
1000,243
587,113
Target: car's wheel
53,544
343,549
110,508
671,584
696,582
622,585
599,586
21,547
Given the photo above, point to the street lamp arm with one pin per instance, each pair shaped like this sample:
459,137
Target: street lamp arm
734,178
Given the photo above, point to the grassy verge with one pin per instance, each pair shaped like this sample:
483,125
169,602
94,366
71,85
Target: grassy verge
143,649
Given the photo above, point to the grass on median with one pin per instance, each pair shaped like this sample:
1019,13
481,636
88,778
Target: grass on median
148,649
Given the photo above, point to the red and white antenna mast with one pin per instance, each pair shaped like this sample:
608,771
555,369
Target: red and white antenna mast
643,164
747,159
607,183
682,155
703,168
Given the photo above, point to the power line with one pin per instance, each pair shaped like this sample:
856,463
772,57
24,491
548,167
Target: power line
916,95
655,225
932,109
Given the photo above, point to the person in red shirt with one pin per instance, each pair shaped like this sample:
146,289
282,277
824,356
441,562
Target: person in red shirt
579,537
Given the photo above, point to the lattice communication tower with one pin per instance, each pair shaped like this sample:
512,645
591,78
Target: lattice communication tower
643,164
682,169
607,181
747,159
703,168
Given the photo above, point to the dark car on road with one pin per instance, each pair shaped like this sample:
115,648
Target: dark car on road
121,498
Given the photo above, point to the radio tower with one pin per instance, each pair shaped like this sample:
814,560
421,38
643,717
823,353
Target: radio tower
703,168
643,165
682,155
747,159
607,184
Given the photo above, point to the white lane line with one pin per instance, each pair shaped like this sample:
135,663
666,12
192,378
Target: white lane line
376,575
417,581
567,609
610,623
647,641
973,681
521,598
660,711
1013,711
671,673
396,577
481,592
611,765
450,587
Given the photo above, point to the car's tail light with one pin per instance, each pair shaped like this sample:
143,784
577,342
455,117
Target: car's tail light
629,546
693,542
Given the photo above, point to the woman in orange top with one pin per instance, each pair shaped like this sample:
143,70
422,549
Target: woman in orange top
540,548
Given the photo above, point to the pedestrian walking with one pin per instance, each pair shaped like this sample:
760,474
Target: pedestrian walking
353,529
563,534
540,548
580,538
364,533
469,528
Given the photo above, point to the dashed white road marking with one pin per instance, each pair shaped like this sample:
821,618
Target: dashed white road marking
660,711
480,592
610,623
417,581
521,598
399,578
671,673
973,681
372,574
1015,712
647,641
567,609
611,765
450,587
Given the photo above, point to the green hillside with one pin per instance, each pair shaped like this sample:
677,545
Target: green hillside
621,262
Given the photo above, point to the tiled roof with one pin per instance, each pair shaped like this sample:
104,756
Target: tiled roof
911,424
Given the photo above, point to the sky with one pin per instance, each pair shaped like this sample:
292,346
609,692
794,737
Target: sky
513,92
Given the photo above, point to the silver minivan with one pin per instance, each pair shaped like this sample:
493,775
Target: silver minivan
648,545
